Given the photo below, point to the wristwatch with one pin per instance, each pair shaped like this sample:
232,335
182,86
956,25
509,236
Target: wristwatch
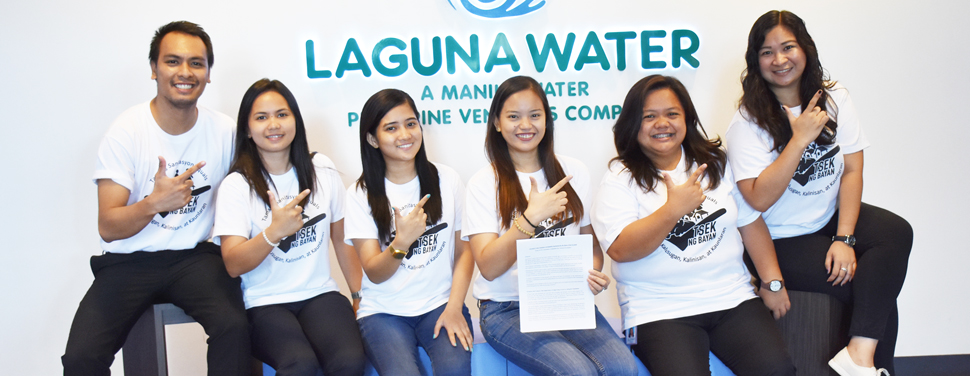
355,295
774,285
848,239
397,253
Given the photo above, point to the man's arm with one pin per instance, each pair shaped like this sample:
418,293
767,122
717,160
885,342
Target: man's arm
117,220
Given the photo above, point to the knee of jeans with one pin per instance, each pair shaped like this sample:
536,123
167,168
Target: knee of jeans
623,367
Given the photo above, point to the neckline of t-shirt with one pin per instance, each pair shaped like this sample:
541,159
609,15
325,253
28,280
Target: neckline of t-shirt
174,137
410,183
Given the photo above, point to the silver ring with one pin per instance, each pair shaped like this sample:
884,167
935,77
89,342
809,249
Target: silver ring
845,270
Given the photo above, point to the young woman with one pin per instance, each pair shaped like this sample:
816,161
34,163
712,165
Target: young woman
795,146
529,191
275,212
676,228
404,218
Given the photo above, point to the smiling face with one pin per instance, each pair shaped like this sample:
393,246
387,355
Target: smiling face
662,129
781,60
272,125
522,123
398,135
182,69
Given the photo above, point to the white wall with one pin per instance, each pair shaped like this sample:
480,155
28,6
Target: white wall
70,67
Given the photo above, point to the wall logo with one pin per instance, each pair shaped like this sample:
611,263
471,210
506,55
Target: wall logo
817,162
498,8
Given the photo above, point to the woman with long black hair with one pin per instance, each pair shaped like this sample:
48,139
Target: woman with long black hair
529,191
276,213
795,146
404,218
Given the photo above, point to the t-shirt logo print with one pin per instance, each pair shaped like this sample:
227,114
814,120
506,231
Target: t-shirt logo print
817,162
694,228
548,229
306,234
426,242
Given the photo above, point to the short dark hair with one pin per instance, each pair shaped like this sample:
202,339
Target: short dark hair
184,27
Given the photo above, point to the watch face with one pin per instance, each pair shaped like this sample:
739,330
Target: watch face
850,240
774,286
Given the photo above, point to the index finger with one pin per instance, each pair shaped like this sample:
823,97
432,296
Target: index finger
299,198
811,103
188,173
421,203
697,175
561,183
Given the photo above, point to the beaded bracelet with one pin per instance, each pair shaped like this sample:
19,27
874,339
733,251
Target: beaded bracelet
274,245
516,222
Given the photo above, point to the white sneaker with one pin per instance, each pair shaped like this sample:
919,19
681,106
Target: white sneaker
843,365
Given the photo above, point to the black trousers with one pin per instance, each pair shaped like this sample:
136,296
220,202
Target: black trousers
125,285
883,244
745,338
307,337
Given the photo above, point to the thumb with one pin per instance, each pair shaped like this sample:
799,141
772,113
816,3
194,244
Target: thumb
791,116
535,185
161,167
668,181
437,329
272,200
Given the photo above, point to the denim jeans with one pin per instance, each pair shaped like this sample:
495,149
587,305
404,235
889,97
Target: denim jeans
596,351
391,343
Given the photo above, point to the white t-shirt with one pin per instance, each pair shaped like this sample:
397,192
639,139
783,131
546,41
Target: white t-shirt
812,195
128,155
482,216
299,268
423,281
697,269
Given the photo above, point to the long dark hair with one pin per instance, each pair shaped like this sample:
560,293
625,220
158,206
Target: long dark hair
510,196
374,169
697,147
760,102
247,160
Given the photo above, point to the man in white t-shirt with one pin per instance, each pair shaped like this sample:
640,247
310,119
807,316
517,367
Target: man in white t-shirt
158,169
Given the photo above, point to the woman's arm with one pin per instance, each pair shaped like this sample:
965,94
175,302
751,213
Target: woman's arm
380,266
757,242
452,319
495,254
763,191
841,255
640,238
346,258
242,255
597,280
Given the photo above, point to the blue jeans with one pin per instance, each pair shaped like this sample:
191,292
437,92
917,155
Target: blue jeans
596,351
391,343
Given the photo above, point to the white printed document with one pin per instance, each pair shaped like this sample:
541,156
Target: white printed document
553,291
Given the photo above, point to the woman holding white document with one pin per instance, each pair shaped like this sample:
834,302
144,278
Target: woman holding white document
529,191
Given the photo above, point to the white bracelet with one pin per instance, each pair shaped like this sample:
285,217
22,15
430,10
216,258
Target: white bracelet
274,245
